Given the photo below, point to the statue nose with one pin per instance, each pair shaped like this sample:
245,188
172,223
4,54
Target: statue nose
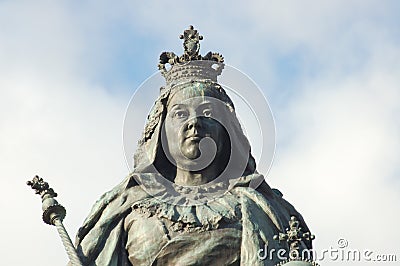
194,122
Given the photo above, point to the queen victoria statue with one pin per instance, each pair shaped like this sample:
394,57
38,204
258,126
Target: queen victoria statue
194,196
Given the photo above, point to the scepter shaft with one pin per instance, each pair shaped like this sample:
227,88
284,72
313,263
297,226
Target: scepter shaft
66,240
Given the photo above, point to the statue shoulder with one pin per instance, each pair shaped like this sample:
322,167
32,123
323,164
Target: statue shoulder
267,191
275,197
115,203
96,237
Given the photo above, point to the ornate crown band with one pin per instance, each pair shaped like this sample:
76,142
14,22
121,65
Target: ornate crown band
191,65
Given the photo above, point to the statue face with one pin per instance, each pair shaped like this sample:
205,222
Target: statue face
194,135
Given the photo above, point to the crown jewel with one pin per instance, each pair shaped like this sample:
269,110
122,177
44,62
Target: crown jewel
191,65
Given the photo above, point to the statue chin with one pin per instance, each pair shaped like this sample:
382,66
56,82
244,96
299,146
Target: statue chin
192,152
194,164
201,151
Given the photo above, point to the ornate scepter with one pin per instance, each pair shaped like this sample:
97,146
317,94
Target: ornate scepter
294,235
54,214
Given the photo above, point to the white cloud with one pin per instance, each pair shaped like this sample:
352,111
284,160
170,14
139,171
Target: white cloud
338,146
343,156
53,123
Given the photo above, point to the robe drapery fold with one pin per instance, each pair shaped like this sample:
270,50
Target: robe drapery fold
240,223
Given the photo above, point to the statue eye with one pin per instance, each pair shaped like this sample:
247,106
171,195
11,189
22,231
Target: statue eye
181,114
207,113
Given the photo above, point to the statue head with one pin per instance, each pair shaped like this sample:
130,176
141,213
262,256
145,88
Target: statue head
193,124
194,127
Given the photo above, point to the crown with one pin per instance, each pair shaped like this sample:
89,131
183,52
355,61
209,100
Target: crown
191,65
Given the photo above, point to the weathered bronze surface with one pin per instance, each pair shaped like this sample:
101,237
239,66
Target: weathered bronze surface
54,214
173,211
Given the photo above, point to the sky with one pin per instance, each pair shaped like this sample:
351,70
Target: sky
330,71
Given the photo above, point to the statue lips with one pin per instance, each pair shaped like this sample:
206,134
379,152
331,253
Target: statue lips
195,138
193,135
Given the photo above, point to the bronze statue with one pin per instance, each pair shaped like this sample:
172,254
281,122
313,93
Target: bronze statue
191,199
149,219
